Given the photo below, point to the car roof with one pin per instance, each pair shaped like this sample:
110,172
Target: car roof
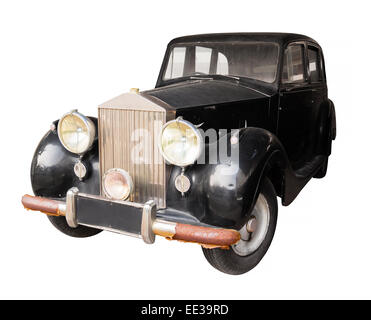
281,38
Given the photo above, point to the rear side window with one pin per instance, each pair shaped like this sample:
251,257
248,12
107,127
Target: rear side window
315,64
293,64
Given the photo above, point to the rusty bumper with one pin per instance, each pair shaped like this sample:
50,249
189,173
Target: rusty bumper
209,237
44,205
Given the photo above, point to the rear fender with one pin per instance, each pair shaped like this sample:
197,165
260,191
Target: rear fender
326,131
332,120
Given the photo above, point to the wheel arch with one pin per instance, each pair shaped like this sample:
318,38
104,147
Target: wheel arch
227,200
332,119
52,168
275,172
325,129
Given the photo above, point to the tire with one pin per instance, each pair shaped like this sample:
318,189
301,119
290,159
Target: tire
229,261
80,232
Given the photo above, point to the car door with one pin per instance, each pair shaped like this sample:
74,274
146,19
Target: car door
317,82
295,104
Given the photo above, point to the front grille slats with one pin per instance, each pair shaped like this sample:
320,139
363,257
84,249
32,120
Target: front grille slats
117,145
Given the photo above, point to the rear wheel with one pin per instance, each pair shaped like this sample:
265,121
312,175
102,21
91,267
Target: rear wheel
256,237
80,232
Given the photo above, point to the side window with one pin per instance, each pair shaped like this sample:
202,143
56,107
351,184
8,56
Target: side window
175,65
293,64
315,64
222,64
203,59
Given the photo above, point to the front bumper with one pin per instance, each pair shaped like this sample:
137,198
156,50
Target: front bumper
129,218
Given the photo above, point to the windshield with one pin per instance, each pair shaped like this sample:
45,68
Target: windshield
254,60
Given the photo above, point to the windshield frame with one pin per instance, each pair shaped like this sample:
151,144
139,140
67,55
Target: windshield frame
161,81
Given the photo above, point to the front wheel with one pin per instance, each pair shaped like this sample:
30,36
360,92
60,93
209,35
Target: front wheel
80,232
256,237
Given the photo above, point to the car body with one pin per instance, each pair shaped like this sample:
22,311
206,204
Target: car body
264,95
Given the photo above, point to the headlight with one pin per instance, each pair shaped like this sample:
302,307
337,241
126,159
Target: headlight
76,132
180,142
117,184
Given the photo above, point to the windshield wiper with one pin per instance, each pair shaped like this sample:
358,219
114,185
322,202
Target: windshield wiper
200,78
230,76
212,77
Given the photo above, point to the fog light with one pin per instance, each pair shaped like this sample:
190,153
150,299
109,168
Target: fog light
182,183
80,170
117,184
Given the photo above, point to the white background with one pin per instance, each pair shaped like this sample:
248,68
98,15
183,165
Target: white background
58,55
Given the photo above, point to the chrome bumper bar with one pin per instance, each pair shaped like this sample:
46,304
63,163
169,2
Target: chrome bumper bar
146,227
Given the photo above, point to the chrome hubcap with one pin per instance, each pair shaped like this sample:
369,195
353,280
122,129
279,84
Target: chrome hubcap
255,230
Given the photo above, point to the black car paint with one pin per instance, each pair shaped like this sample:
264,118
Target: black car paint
200,93
268,116
227,199
219,104
52,172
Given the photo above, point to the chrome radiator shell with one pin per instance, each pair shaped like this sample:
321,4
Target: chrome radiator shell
126,124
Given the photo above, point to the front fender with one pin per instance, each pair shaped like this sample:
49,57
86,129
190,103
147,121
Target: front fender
52,172
224,194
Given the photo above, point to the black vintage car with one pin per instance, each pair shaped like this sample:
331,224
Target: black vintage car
235,120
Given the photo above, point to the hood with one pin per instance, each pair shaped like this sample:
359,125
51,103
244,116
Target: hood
204,93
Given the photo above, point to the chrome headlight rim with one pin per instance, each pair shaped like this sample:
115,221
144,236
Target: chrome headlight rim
128,179
196,132
89,125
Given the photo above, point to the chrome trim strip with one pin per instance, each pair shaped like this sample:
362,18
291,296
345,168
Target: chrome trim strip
164,228
62,208
71,207
148,217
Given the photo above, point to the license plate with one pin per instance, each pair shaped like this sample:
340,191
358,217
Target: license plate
117,216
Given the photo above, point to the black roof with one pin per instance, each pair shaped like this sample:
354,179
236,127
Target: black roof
281,38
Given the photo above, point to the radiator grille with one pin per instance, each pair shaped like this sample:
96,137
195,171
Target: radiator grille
122,145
